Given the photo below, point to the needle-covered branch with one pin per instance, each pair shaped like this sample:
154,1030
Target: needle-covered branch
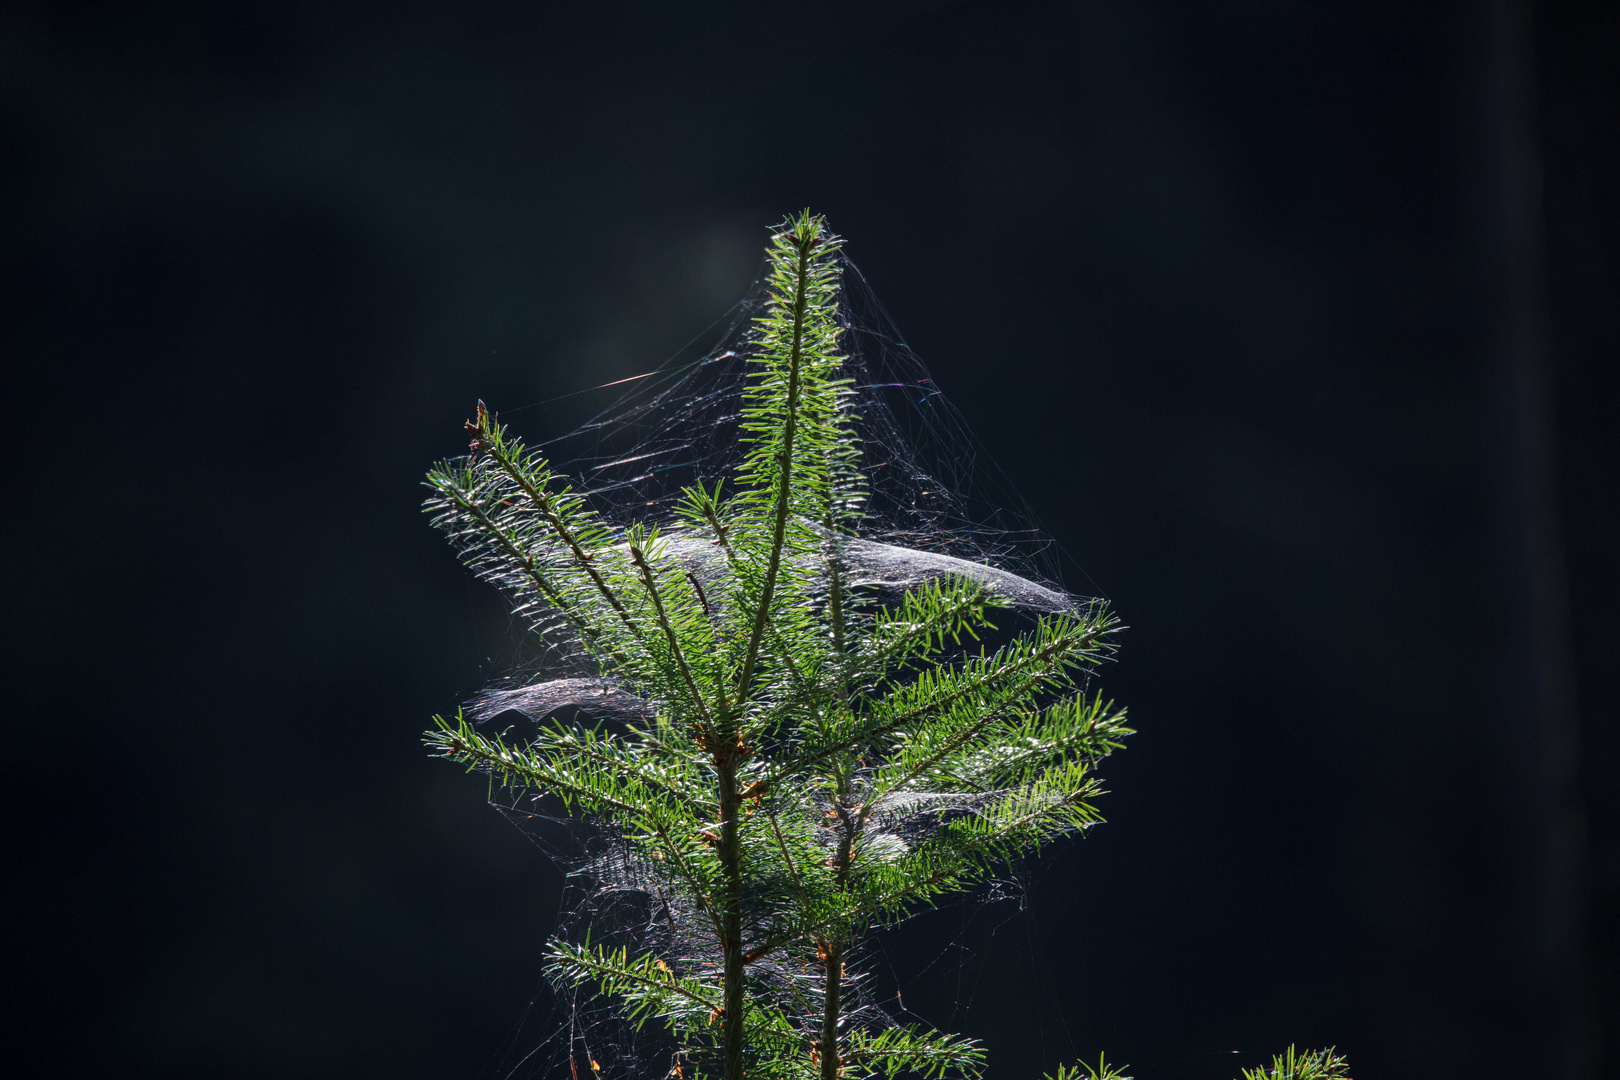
596,784
1311,1065
897,1050
1037,662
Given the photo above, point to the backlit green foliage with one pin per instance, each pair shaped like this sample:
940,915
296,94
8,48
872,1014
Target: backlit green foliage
810,764
1311,1065
1289,1065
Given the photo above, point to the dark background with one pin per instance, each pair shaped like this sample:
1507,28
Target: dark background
1293,322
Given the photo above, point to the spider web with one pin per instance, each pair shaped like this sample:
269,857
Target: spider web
932,486
937,503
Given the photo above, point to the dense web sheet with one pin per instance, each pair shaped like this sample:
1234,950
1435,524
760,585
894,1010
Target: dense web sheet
937,506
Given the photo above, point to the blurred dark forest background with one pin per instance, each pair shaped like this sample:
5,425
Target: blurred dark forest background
1295,323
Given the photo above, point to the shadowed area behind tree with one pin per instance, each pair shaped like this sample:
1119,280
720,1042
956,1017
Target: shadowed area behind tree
262,259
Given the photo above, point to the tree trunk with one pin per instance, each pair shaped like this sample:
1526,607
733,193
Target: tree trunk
733,1007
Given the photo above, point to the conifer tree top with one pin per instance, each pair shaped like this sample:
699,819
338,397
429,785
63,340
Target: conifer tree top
786,756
